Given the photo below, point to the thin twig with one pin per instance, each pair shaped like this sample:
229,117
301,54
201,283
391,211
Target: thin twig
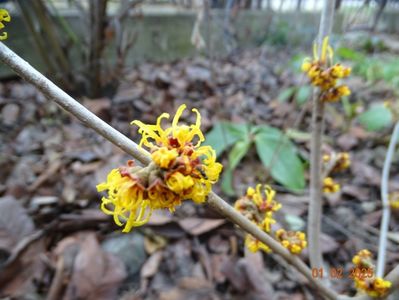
382,246
315,205
51,91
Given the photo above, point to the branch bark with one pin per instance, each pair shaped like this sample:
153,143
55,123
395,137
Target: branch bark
378,14
98,14
382,247
315,205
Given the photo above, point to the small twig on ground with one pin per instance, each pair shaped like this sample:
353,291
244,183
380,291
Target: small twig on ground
58,282
51,91
315,204
49,172
382,246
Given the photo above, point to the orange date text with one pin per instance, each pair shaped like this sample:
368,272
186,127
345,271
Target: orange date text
340,273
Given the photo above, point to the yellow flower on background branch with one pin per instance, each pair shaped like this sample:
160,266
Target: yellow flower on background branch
394,200
259,205
371,285
325,75
4,17
255,245
294,241
182,169
330,186
334,163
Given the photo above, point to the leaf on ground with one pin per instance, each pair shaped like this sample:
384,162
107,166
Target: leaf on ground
198,226
151,266
15,223
224,134
303,94
96,274
190,288
160,217
278,154
328,244
239,150
286,94
154,242
366,174
253,266
376,118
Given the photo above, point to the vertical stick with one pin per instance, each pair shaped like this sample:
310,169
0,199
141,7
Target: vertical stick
315,205
98,15
382,245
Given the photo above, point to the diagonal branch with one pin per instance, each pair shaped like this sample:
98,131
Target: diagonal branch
51,91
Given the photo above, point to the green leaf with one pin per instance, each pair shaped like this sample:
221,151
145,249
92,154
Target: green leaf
224,134
294,222
238,152
303,94
279,155
376,118
286,94
348,107
349,54
227,183
297,135
267,130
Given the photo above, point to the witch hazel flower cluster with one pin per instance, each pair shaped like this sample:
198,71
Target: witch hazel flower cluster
334,163
325,75
259,208
4,17
181,170
373,286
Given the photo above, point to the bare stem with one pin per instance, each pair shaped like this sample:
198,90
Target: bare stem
315,205
382,246
51,91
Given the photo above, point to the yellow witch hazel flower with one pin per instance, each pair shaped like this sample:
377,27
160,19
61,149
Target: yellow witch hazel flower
394,200
189,169
363,258
255,245
324,74
180,171
330,186
294,241
4,17
375,287
367,282
338,161
259,208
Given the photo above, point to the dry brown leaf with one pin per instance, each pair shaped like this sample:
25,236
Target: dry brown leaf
217,262
151,266
21,246
366,174
160,217
197,226
96,274
153,243
15,224
218,245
